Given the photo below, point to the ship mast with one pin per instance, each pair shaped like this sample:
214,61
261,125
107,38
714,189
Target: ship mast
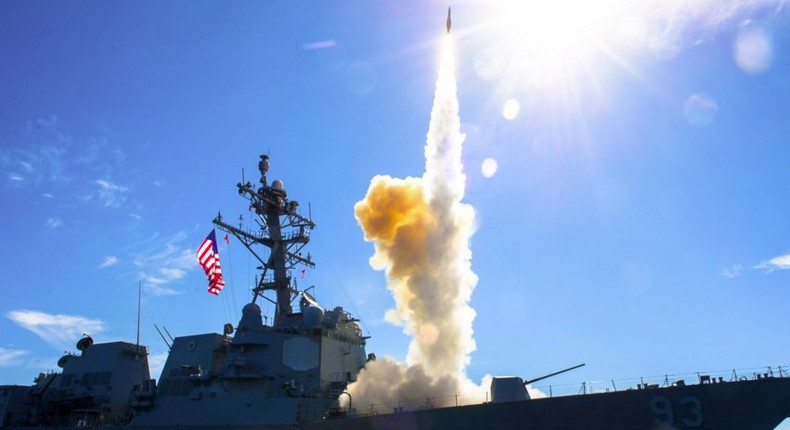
283,231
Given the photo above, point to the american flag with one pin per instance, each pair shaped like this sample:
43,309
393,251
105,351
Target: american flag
208,257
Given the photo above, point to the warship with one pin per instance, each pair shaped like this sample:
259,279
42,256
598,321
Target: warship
290,371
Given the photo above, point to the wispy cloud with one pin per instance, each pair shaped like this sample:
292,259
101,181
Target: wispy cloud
156,362
56,329
157,290
109,260
781,262
322,44
49,159
110,194
47,122
54,223
732,271
12,357
165,261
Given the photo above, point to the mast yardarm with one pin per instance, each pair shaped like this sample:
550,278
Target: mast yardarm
283,231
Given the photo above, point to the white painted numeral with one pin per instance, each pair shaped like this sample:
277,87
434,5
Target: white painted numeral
695,410
662,407
690,411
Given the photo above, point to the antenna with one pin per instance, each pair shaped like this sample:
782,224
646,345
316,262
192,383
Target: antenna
163,337
168,334
283,233
139,298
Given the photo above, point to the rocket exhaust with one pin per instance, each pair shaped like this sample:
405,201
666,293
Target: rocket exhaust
421,229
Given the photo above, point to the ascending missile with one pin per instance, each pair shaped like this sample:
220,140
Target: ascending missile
449,21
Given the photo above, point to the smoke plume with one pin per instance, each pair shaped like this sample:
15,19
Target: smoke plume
420,230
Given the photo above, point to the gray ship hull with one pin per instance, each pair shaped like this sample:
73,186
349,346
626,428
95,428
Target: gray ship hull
760,404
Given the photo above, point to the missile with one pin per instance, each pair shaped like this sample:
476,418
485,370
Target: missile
449,21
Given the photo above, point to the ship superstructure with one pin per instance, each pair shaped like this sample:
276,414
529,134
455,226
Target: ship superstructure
290,371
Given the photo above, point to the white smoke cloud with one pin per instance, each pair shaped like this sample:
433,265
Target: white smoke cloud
421,231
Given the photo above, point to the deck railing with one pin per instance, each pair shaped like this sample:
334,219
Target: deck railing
587,387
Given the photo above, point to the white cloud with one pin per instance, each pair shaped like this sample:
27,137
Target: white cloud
110,194
54,222
47,159
60,331
164,262
51,121
732,271
156,362
321,44
12,357
151,288
781,262
109,260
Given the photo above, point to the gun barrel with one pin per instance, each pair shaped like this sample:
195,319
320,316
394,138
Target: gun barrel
553,374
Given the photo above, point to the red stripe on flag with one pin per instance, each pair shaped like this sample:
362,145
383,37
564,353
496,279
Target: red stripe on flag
208,258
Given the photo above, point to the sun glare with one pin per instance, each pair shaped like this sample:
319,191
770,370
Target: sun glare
543,41
551,38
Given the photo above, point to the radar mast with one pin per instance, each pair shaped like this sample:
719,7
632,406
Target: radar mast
282,230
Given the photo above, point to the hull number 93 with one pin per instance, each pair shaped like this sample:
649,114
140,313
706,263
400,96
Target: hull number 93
686,411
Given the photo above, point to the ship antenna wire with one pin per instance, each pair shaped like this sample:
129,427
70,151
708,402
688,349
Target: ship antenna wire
163,337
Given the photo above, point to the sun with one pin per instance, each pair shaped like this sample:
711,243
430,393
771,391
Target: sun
547,40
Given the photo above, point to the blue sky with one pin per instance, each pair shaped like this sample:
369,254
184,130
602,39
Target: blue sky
628,171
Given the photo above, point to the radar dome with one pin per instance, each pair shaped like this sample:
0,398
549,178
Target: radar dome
84,343
278,184
250,317
313,316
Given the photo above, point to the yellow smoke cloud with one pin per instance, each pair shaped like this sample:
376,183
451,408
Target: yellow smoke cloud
396,217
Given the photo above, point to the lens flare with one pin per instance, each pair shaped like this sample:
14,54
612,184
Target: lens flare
489,168
510,109
700,110
753,49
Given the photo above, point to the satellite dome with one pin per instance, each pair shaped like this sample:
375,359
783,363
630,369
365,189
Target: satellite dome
250,317
313,316
278,184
